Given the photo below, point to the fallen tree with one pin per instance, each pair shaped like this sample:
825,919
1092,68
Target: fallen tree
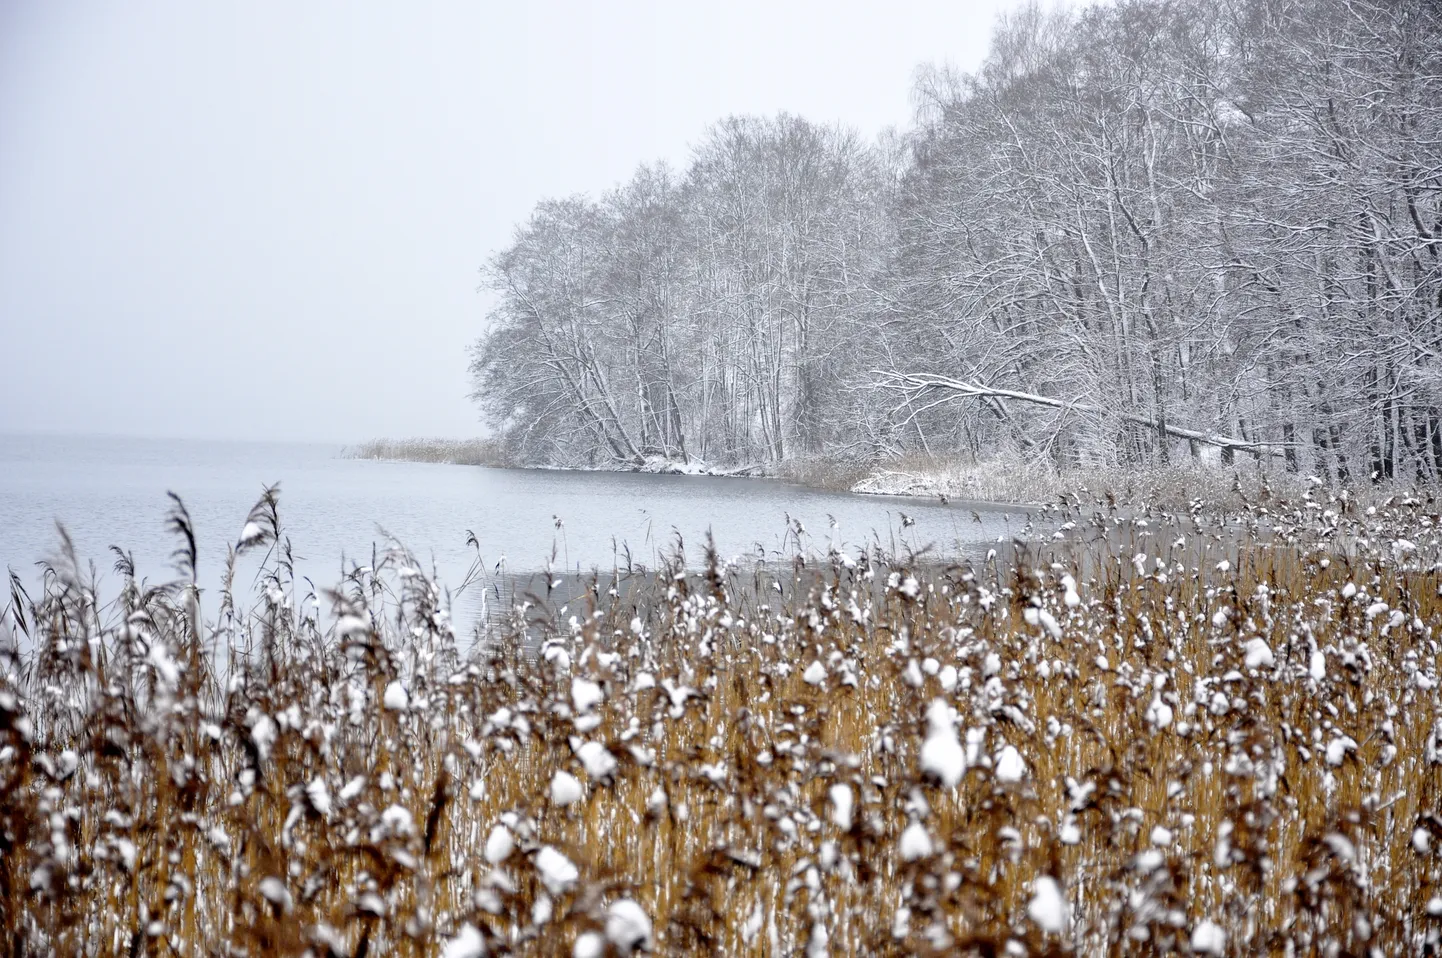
914,386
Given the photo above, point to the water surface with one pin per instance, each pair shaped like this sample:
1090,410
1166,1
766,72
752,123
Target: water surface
113,491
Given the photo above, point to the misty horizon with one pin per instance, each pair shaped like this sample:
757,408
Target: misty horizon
267,223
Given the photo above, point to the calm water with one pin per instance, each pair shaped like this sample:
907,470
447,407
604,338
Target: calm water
113,491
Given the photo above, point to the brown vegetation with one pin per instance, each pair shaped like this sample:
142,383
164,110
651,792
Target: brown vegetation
1210,732
461,452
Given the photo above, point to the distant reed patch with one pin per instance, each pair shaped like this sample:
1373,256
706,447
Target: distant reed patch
461,452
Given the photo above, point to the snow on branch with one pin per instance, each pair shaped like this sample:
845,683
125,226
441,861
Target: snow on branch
915,385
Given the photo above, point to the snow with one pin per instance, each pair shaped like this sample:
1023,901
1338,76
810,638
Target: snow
589,945
1341,846
251,533
627,926
1318,668
1072,599
319,794
598,761
352,788
842,806
1208,938
586,695
941,752
499,845
1338,748
1148,860
397,820
975,740
558,874
164,664
273,890
752,927
915,842
1049,622
819,944
467,943
565,789
911,675
1048,906
263,732
1010,766
1159,713
396,698
815,674
349,625
1259,654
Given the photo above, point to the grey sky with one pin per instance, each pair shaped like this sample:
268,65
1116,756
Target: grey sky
264,220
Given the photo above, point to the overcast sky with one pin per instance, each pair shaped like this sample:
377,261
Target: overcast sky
264,220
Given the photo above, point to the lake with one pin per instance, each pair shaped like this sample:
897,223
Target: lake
113,491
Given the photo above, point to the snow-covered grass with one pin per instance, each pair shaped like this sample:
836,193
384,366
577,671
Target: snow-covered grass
1156,732
1008,477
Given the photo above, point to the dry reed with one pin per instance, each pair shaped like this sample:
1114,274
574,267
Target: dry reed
1207,732
460,452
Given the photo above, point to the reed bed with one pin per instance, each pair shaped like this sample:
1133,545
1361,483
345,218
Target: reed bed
1138,733
460,452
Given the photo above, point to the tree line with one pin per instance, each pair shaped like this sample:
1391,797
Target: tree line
1141,231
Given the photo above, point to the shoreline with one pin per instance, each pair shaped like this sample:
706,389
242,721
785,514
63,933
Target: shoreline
749,473
1008,481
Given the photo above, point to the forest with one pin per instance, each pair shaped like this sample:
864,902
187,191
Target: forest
1140,233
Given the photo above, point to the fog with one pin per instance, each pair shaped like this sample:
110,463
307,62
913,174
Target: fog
265,220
